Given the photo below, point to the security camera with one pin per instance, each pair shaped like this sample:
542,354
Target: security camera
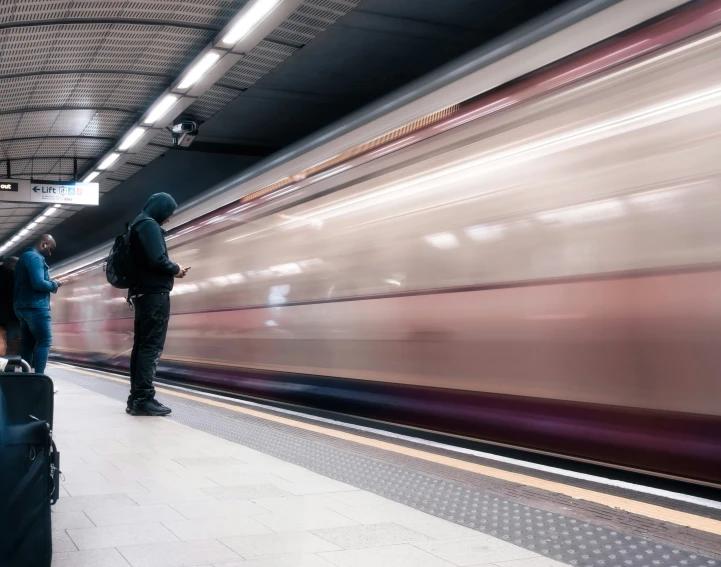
184,132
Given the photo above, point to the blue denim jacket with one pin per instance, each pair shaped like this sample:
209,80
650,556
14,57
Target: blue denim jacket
32,282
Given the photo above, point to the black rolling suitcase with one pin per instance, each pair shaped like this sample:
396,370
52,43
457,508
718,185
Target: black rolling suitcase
29,474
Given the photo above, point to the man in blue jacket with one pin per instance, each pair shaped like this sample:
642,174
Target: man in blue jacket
151,299
33,287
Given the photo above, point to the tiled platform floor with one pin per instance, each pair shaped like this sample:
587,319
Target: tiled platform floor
149,492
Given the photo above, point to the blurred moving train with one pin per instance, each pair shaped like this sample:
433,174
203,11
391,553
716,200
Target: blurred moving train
537,266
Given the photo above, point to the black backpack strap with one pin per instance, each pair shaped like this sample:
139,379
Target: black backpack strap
129,228
132,225
54,473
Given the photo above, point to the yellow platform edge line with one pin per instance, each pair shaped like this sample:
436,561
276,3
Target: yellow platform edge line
631,506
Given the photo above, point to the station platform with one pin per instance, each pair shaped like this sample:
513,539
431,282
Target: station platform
229,482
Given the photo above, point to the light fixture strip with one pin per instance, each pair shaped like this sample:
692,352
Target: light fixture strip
108,161
198,70
132,138
161,108
250,20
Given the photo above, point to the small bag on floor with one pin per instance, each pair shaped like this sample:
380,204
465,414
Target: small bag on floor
29,473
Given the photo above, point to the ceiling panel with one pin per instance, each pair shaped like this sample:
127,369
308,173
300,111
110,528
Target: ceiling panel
19,149
108,184
172,49
71,122
126,170
134,91
65,167
90,146
19,166
26,49
92,90
148,154
53,147
123,45
16,92
36,123
164,138
49,92
29,10
211,102
109,123
256,63
209,12
8,124
95,9
37,167
75,46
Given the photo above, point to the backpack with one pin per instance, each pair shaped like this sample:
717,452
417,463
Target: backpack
120,268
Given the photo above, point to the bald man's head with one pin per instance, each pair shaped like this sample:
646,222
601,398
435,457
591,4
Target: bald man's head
45,244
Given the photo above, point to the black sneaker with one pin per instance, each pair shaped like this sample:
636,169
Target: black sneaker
151,407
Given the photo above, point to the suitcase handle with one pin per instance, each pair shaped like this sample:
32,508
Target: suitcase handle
13,361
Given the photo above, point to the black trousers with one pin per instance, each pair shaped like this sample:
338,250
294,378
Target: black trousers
152,313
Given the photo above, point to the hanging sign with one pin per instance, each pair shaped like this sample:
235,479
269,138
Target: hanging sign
10,186
70,193
49,192
17,190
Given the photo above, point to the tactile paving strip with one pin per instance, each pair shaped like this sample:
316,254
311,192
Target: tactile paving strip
554,535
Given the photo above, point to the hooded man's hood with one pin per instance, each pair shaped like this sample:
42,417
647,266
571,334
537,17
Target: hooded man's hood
160,207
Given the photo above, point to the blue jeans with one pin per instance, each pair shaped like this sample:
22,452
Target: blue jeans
36,336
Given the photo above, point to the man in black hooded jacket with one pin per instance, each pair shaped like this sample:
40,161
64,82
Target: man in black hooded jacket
151,299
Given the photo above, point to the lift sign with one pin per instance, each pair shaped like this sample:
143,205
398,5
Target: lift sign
7,186
75,193
57,190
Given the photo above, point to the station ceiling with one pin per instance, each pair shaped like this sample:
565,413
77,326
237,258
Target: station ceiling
76,75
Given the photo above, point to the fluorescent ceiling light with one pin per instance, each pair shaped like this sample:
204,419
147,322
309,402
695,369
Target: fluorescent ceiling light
161,109
50,212
90,177
130,140
23,232
199,69
249,21
108,161
32,225
57,206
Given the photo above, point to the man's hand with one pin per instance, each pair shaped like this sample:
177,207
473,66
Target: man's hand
181,272
60,284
